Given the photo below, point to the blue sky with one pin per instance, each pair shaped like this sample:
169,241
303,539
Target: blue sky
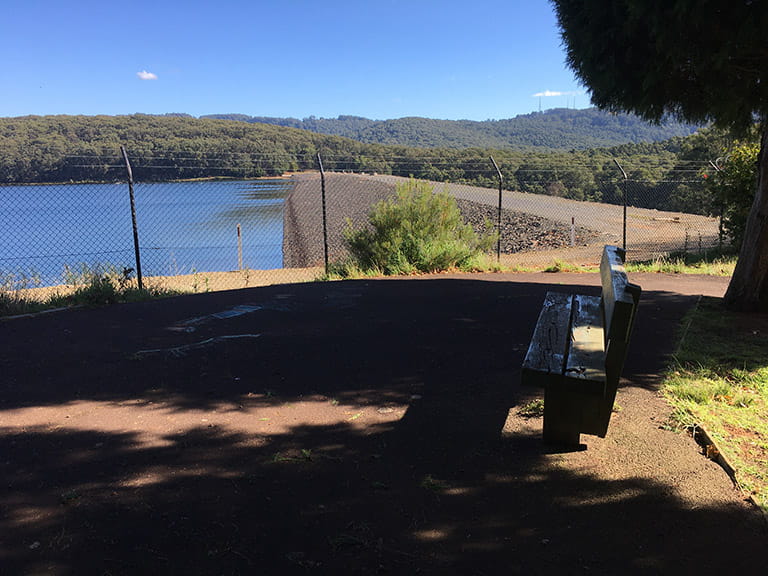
445,59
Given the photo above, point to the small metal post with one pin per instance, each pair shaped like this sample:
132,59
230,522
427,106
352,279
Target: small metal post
239,248
573,231
133,218
325,219
624,235
501,184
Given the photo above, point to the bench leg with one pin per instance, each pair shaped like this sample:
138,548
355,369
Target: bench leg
562,417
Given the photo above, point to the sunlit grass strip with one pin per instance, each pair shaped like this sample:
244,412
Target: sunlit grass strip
720,383
721,266
712,263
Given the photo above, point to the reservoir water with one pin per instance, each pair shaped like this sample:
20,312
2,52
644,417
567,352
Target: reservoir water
183,227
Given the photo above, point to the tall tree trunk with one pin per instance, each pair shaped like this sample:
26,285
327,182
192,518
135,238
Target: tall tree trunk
748,289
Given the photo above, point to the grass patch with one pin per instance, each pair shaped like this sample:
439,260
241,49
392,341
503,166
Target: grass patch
13,303
13,288
716,263
532,409
350,270
92,286
562,266
719,381
433,484
712,263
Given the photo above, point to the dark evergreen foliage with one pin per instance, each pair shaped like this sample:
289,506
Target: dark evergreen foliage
700,61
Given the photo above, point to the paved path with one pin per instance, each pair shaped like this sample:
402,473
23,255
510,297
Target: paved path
350,427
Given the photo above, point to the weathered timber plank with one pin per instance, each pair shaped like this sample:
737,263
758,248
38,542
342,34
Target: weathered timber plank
585,366
545,359
620,297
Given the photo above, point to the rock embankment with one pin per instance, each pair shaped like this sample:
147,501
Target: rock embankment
522,232
349,198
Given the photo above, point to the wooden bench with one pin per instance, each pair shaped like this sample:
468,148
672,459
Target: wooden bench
577,353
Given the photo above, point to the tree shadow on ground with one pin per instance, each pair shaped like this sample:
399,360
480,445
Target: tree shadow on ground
438,490
332,500
333,338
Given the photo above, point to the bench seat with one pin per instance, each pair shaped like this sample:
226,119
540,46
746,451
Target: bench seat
577,353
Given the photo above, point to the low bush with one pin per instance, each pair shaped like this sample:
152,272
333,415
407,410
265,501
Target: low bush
417,231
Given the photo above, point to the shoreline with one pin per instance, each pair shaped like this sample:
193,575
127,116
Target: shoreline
283,176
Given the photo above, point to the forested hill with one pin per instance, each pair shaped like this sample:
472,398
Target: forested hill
62,148
173,147
556,129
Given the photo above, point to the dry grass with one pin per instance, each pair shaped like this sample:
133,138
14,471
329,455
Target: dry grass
196,283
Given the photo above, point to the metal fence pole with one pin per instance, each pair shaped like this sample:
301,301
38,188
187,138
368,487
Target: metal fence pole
325,219
501,184
239,248
133,218
624,233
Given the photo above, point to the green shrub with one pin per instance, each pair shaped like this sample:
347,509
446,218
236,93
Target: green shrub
735,186
417,231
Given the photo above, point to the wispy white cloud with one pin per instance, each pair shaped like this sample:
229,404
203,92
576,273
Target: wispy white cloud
547,93
144,75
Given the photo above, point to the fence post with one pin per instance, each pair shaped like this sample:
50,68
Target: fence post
325,219
133,218
573,231
501,184
239,248
624,233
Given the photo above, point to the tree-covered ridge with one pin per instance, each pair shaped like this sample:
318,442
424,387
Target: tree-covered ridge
556,129
61,148
172,147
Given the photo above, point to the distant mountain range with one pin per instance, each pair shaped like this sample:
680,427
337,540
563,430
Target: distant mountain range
555,129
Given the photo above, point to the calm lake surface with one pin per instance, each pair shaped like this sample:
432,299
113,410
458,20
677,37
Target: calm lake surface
184,227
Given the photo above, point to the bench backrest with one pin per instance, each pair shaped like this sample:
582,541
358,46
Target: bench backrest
619,301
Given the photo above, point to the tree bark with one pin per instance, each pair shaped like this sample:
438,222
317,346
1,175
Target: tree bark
748,289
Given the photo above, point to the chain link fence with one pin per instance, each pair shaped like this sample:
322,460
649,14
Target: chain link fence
212,233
